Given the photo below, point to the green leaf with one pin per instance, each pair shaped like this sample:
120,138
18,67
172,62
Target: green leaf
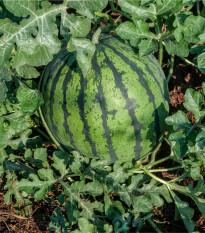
167,7
127,30
30,99
179,145
93,188
37,186
36,38
201,62
85,50
58,222
135,32
76,25
179,120
3,92
154,192
21,7
61,161
137,11
40,154
197,49
86,7
185,211
203,85
72,212
194,26
142,204
27,72
180,48
200,140
118,175
147,47
195,171
85,226
193,102
5,76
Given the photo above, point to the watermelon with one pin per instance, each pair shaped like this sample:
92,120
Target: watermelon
116,112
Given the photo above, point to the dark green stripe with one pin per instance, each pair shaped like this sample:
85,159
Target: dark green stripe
157,66
52,93
142,81
104,116
165,90
66,114
81,103
51,68
155,79
129,102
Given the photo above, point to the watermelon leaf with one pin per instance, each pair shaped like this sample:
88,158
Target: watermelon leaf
193,102
193,28
180,49
185,212
30,100
77,26
138,11
30,34
179,120
166,7
147,47
4,77
85,50
86,7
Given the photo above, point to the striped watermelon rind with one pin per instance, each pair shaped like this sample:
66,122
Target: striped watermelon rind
116,112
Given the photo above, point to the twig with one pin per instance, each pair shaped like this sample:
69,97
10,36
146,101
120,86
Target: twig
5,224
14,215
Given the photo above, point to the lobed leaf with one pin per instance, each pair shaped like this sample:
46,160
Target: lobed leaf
86,7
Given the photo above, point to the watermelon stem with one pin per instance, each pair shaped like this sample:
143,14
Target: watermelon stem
171,69
153,225
154,153
158,170
198,7
160,52
188,62
96,35
114,10
159,161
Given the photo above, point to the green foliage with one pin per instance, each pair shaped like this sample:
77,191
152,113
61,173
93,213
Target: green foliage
93,195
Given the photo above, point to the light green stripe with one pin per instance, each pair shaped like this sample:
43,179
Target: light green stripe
58,113
119,120
74,120
94,117
47,92
144,108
